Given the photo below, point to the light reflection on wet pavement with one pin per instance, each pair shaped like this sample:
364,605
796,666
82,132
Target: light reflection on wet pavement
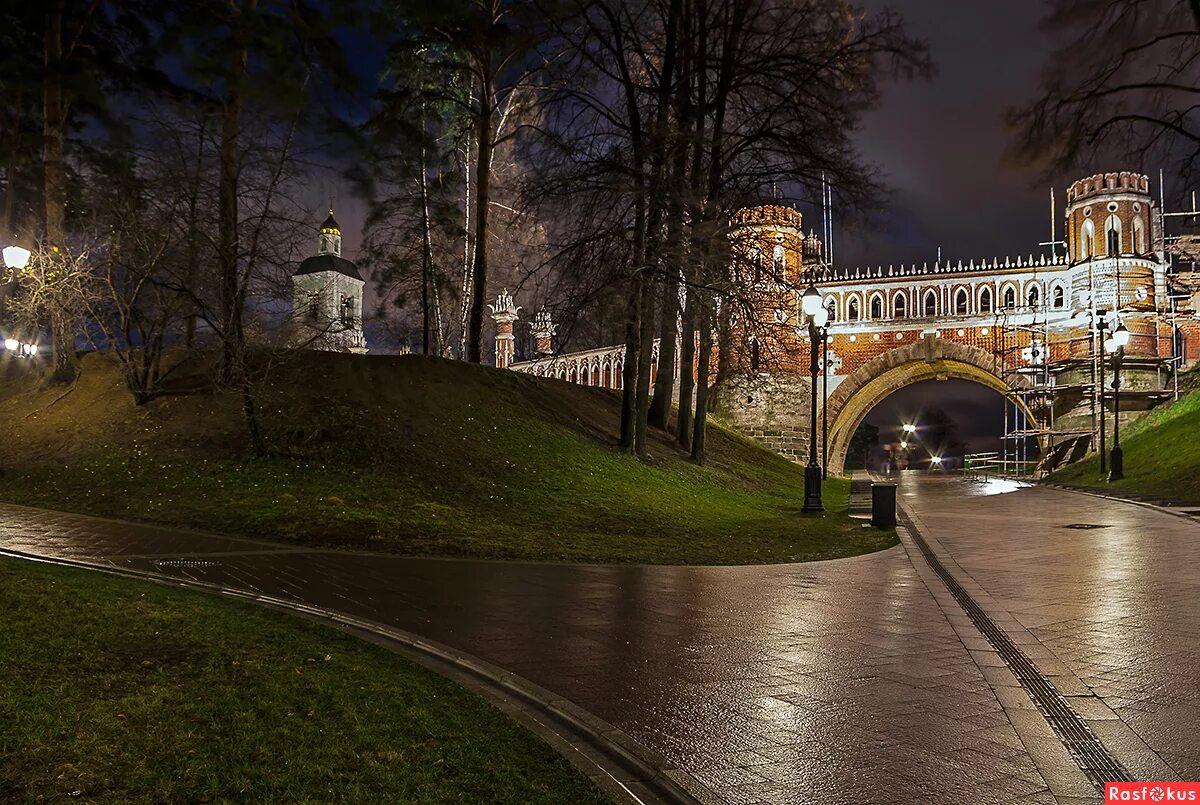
830,682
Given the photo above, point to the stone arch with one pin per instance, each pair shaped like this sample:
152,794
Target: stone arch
931,358
878,308
1112,235
929,303
1058,295
1010,296
962,301
984,303
1033,293
1139,236
1087,240
853,309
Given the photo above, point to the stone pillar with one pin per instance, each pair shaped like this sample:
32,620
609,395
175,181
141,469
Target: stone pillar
543,333
504,313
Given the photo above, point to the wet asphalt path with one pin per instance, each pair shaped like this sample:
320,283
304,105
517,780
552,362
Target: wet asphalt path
850,681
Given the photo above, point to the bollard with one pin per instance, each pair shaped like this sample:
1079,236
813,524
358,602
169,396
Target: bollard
883,505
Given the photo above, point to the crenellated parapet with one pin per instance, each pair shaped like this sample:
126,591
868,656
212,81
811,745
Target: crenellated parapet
768,215
1107,183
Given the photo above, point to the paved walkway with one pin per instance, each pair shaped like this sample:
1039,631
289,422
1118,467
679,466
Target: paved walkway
835,682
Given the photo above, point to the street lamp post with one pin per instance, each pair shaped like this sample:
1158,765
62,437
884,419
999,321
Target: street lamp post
1101,326
812,306
825,397
1116,464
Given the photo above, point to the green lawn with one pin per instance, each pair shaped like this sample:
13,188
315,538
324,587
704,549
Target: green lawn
115,690
1162,454
428,457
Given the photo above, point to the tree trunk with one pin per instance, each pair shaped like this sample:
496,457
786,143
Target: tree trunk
193,246
250,412
233,337
702,381
629,369
65,366
645,360
687,365
468,254
426,253
483,182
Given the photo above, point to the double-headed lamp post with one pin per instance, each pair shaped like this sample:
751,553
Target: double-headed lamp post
1116,345
813,307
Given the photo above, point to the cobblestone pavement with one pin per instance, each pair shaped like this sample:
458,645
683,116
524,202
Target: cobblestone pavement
850,681
1109,588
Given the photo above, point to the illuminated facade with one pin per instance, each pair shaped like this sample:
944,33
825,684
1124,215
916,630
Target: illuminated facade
1023,326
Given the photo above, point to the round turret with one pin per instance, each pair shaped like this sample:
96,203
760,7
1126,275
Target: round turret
1109,215
768,242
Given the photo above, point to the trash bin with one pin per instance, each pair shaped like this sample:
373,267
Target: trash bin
883,505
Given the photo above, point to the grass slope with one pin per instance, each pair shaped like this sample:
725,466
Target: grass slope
113,690
1162,454
414,455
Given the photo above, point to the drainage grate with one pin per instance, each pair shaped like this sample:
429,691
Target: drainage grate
1086,526
1087,750
188,563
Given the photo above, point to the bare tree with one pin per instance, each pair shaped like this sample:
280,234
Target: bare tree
1123,82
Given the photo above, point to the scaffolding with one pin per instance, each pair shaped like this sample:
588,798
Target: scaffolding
1028,350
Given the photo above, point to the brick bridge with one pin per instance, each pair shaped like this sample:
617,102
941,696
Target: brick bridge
1021,326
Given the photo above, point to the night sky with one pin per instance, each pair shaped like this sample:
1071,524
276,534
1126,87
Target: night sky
940,145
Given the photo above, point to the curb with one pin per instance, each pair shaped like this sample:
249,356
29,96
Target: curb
1145,504
620,766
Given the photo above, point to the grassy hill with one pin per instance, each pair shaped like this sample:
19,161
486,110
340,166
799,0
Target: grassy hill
412,455
1162,453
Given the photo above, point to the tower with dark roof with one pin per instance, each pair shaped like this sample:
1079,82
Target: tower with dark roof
328,296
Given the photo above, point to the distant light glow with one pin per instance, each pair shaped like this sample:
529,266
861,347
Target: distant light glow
11,344
936,459
903,445
910,427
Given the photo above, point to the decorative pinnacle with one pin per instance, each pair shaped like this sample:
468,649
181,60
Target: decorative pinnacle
542,325
504,310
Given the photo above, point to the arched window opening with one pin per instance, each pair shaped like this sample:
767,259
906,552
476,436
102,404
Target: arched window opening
1060,298
314,306
1139,236
1087,241
831,309
930,304
755,355
1010,298
1112,236
756,261
877,307
899,307
852,310
596,376
1032,296
779,262
960,302
985,300
348,311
